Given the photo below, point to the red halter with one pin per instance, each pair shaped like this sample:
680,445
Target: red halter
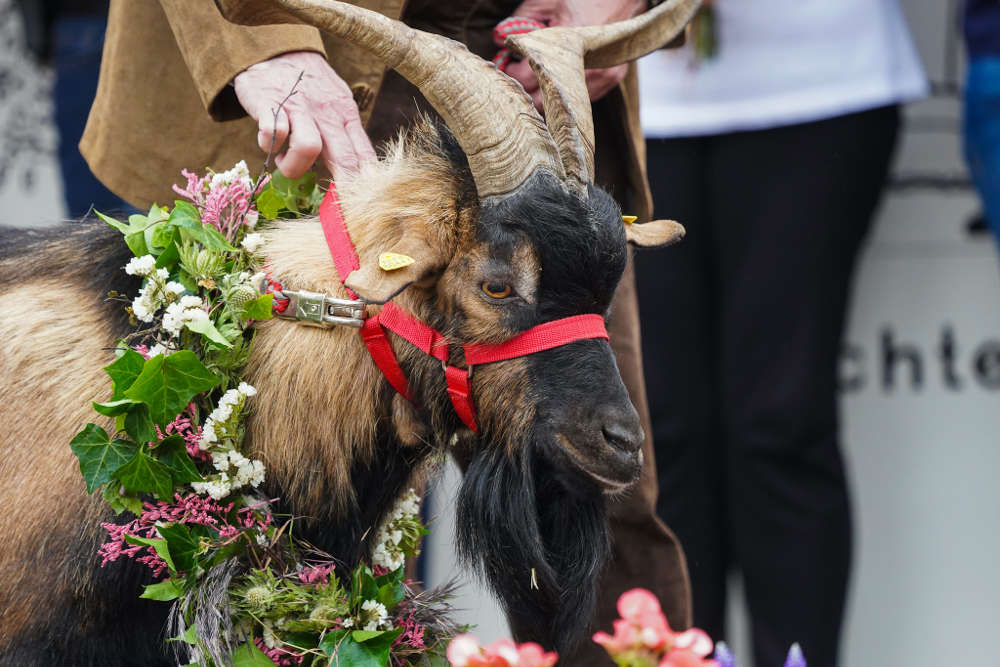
536,339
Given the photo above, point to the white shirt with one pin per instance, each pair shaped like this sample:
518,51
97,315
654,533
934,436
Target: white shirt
781,62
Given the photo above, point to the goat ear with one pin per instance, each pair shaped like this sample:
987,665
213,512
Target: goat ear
654,234
389,271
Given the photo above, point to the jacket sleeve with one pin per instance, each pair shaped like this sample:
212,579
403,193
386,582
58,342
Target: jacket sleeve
215,50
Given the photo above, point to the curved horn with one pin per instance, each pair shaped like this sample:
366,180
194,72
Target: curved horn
492,117
559,56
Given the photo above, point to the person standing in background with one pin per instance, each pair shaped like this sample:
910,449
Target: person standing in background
772,148
981,122
69,36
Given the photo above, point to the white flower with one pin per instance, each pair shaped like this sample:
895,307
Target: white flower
162,274
195,315
158,349
239,173
252,241
191,301
173,319
174,288
220,460
246,389
222,413
251,220
140,266
208,436
140,308
237,459
348,623
230,398
262,540
377,615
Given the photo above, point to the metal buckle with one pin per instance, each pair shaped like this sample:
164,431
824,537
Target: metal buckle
319,310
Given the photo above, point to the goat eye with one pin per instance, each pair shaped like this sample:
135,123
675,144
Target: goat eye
497,290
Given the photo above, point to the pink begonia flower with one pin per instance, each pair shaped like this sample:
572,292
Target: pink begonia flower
465,651
643,636
533,655
683,657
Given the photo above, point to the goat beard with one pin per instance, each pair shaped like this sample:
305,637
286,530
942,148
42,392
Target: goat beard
540,546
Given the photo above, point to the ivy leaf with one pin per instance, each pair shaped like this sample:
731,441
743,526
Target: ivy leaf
181,544
173,452
213,240
135,237
371,651
155,233
164,591
186,216
249,655
100,458
260,308
138,424
167,384
391,594
120,503
363,583
171,255
269,203
114,408
190,636
123,372
159,546
208,330
144,474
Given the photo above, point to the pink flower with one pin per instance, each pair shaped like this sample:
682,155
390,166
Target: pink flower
465,651
685,658
462,649
643,635
533,655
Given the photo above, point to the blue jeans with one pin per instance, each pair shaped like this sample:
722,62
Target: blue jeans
982,133
77,45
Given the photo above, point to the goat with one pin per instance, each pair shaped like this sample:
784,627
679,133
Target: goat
498,200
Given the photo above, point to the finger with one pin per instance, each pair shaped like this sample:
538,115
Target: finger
359,139
601,81
304,145
339,153
272,129
521,72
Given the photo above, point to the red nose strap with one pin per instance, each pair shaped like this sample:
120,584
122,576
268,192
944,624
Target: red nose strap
431,342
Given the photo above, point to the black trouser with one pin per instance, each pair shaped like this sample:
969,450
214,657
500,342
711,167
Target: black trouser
741,328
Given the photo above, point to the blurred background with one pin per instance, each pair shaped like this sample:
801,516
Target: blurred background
920,372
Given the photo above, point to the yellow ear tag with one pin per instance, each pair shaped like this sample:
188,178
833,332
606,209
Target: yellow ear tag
390,261
629,219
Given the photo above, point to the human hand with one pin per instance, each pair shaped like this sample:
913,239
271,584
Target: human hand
575,13
319,120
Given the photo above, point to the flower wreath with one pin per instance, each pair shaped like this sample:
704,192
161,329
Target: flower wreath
244,591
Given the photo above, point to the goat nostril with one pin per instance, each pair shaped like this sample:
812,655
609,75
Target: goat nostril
621,436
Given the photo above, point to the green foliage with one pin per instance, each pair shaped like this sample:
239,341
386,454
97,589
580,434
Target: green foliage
167,384
248,655
358,648
173,452
144,474
159,546
100,457
285,197
181,543
164,591
138,424
259,308
123,372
